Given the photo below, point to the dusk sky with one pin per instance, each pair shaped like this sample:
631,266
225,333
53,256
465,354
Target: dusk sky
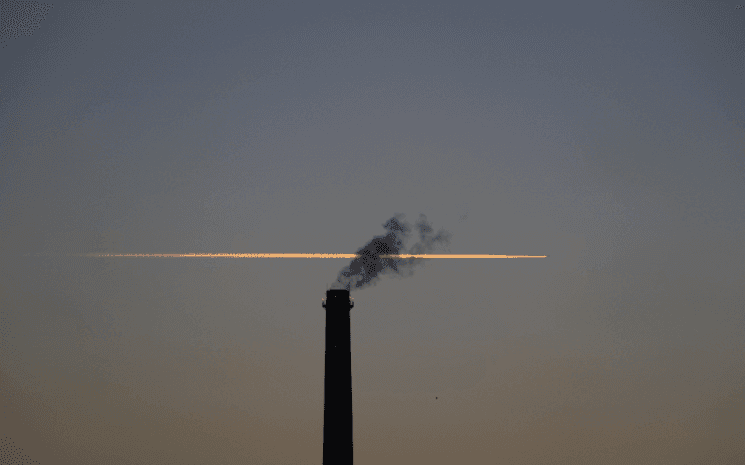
608,135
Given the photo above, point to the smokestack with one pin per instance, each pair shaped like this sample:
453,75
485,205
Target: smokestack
337,381
364,270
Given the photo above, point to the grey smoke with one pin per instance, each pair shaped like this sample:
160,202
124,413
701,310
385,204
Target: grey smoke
367,267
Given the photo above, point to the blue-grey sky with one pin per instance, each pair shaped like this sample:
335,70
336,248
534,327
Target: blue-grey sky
607,134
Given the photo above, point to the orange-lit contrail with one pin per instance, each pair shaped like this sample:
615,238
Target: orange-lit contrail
296,255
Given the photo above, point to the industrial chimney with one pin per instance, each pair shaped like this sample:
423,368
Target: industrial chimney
337,381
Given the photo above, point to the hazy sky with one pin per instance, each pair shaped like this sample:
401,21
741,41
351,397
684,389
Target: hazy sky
609,135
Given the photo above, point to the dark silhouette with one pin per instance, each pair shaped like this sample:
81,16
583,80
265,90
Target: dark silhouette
368,263
362,271
337,394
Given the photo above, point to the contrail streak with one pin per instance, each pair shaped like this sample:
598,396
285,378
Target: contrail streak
294,255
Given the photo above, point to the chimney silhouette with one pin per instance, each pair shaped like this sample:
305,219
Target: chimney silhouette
337,381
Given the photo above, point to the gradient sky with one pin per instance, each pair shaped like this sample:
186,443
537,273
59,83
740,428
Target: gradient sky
609,135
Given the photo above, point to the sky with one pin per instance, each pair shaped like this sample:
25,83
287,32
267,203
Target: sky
607,135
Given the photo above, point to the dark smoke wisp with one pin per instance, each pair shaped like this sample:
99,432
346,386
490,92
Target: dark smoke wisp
366,268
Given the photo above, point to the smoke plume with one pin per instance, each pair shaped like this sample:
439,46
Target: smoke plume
366,268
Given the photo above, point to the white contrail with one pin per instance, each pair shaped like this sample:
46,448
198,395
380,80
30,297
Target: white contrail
294,255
